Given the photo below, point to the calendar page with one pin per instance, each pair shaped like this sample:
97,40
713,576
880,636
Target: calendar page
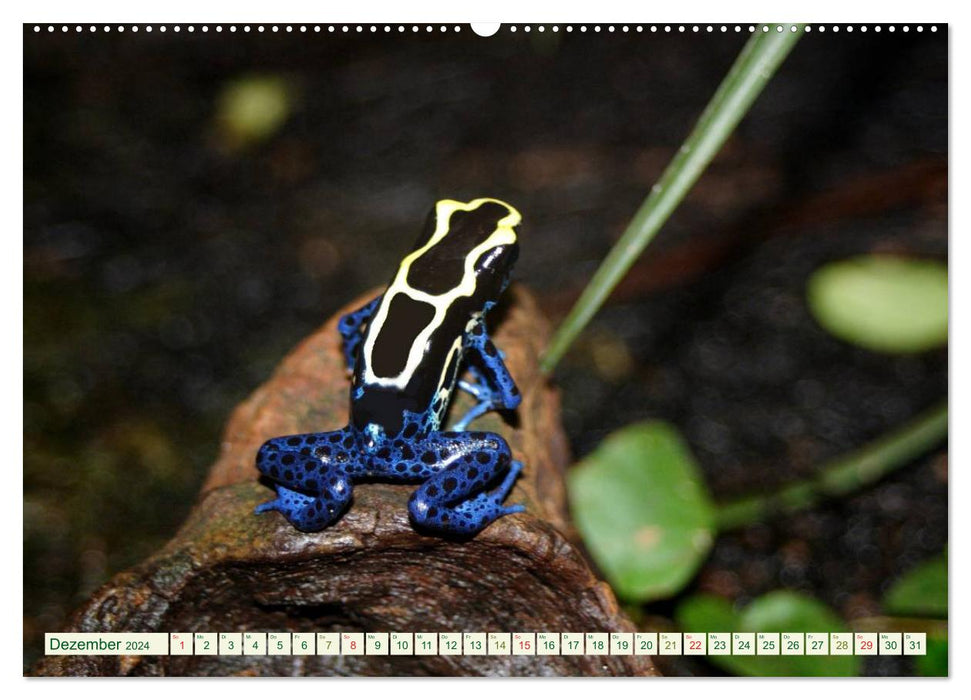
411,348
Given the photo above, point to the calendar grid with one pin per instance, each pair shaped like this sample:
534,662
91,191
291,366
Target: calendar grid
278,643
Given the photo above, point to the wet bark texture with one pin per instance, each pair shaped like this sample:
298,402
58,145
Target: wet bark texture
230,570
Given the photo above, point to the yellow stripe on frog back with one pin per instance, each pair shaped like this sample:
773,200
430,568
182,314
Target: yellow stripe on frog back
504,234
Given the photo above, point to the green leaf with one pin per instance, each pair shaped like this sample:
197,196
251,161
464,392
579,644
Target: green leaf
254,107
706,613
922,592
934,663
643,510
778,611
882,303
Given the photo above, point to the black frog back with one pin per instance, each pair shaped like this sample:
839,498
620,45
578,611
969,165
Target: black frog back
412,347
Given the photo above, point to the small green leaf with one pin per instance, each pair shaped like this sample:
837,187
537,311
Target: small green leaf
643,510
922,592
787,611
882,303
706,613
934,663
778,611
253,108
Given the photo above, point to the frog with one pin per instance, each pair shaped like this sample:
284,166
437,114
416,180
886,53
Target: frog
406,351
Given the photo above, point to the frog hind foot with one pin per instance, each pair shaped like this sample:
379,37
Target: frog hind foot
311,474
306,513
453,500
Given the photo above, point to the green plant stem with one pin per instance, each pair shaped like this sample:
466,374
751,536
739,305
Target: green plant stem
753,68
844,474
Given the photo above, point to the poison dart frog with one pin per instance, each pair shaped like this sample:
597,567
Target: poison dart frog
405,350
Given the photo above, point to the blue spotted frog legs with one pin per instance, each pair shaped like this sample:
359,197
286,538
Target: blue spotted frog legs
405,349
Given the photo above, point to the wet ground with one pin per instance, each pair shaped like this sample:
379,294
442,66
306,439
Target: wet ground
167,271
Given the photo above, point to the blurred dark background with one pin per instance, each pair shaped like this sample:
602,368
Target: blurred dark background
174,252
